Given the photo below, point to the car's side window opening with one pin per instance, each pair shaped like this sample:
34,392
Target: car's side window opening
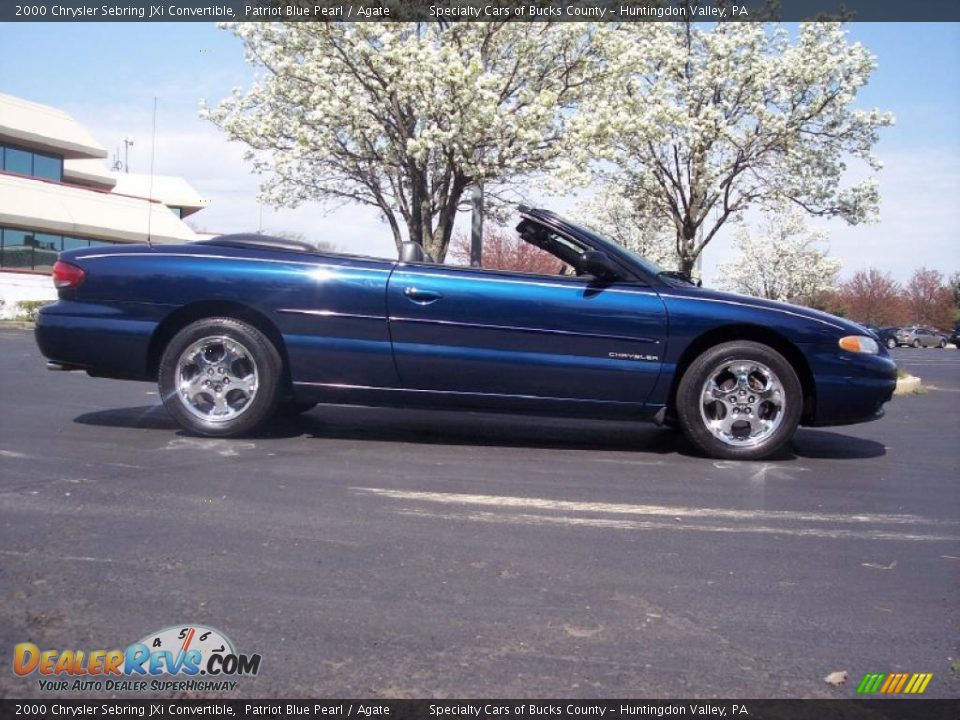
531,250
534,249
565,251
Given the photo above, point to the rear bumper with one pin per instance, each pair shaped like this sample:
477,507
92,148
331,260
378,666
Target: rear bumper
850,388
99,339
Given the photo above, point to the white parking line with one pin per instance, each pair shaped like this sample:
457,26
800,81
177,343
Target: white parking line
515,510
528,519
65,558
528,503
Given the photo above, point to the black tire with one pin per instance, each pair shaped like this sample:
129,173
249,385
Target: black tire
942,344
916,343
891,343
740,445
257,359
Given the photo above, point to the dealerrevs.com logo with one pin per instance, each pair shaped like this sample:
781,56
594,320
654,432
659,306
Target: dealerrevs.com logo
177,658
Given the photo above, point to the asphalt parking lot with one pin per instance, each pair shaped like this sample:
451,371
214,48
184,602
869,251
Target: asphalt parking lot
370,553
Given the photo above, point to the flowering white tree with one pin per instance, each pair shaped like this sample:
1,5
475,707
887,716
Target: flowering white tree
695,125
787,261
612,214
404,116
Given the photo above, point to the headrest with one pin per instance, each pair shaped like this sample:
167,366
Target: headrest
411,252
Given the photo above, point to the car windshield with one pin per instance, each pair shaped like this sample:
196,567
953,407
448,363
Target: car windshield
648,265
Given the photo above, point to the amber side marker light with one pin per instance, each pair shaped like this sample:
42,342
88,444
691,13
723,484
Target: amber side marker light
859,344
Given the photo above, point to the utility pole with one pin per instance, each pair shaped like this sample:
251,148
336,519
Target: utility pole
476,227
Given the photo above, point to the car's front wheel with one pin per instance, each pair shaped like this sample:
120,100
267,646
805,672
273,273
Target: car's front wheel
739,401
891,343
220,377
916,343
942,344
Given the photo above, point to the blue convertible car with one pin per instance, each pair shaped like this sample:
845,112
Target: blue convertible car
240,327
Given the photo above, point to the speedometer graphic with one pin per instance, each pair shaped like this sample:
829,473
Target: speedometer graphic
182,639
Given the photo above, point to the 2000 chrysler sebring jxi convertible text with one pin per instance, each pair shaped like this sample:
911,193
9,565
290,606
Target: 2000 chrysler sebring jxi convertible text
240,327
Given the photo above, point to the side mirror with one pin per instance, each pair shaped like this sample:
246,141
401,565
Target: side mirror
598,264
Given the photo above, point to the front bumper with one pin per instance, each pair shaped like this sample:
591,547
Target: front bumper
850,387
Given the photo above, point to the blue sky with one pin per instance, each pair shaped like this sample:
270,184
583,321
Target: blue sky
106,76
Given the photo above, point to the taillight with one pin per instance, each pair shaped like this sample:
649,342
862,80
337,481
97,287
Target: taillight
66,276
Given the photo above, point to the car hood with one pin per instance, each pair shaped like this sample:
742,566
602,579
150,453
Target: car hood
843,326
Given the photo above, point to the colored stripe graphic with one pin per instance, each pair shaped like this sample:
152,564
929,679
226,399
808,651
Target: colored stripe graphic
894,683
891,679
870,683
901,683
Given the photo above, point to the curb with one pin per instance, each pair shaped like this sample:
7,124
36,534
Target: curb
908,385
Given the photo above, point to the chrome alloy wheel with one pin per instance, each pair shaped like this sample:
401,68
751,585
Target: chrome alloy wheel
216,379
742,403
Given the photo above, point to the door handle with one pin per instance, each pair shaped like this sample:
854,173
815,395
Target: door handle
421,297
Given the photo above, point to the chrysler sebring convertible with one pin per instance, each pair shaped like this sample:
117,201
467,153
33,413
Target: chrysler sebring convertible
242,327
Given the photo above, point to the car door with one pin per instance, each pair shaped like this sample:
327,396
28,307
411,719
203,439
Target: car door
474,331
332,314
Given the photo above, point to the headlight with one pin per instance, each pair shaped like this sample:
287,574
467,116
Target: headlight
859,344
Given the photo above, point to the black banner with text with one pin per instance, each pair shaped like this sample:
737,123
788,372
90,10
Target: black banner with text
475,10
913,709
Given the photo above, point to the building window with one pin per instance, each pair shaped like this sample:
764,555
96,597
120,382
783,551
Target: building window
47,166
25,250
29,250
33,164
73,243
18,161
177,211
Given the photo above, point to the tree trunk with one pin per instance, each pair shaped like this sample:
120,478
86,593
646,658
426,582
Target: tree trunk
687,250
438,241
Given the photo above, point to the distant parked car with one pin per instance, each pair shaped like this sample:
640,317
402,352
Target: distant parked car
917,336
886,335
955,337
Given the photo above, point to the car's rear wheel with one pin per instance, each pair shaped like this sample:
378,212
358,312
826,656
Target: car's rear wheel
942,344
740,400
220,377
891,343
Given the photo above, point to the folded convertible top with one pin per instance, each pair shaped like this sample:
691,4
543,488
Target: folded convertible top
264,242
